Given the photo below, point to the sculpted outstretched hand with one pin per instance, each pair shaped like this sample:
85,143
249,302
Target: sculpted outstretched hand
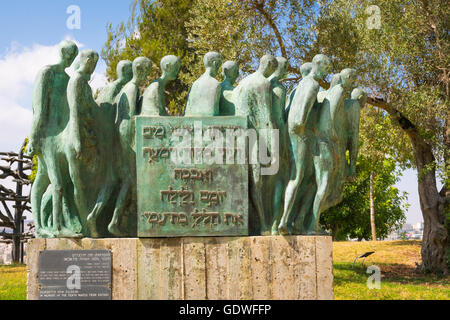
30,149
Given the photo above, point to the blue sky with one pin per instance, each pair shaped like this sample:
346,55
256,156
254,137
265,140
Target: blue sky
29,33
44,21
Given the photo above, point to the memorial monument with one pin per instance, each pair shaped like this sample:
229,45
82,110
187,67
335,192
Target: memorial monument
211,205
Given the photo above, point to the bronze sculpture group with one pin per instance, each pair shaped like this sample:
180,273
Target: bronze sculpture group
86,179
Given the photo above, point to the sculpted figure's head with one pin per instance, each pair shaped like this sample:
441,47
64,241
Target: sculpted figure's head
87,61
321,65
141,69
68,51
281,70
267,65
348,77
125,71
335,80
230,71
305,69
360,95
212,61
170,66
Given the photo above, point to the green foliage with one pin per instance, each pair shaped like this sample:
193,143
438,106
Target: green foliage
34,168
155,29
351,218
239,30
404,61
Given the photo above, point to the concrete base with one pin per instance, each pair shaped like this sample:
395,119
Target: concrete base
248,268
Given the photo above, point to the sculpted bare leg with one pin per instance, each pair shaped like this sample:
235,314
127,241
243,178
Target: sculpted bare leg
102,200
297,173
122,200
304,208
255,191
323,165
57,184
277,207
40,186
75,175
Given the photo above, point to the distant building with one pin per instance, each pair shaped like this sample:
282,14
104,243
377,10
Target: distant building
418,227
407,231
407,227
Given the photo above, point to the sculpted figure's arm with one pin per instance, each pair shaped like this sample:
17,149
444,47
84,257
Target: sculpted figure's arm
217,99
153,102
288,104
335,98
336,101
310,90
40,107
353,143
135,102
75,104
188,107
358,100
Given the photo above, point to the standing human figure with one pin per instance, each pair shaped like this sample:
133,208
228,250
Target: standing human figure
82,148
50,117
127,108
153,101
253,99
326,160
305,69
279,181
230,72
204,95
124,75
347,129
300,109
353,108
307,191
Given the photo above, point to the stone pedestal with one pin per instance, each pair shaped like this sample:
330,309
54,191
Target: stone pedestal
215,268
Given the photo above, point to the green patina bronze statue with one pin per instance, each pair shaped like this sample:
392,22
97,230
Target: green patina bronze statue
124,75
279,181
346,126
204,96
253,99
50,117
230,71
299,112
105,118
326,158
153,102
127,108
86,179
82,146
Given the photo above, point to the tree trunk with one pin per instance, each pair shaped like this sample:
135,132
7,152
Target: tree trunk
432,202
372,208
435,235
334,232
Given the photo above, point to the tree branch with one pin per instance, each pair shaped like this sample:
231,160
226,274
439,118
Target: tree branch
259,7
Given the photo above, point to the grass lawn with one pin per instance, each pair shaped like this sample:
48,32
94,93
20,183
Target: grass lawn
13,282
396,259
399,279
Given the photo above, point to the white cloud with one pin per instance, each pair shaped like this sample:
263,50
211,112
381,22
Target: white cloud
18,69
